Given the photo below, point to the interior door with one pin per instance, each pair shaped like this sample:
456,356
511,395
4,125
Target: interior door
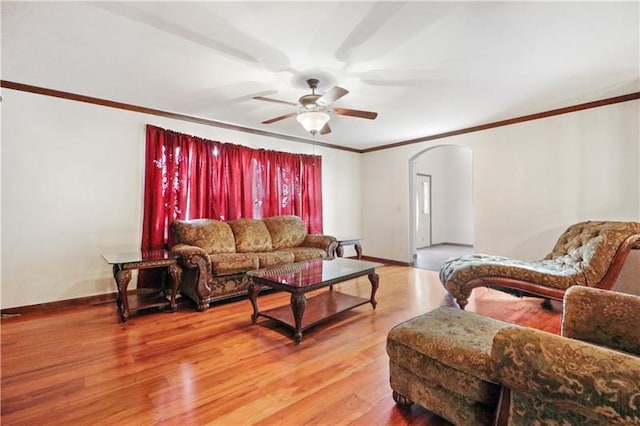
423,210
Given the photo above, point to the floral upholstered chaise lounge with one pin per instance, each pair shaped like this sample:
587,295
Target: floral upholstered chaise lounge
215,255
588,254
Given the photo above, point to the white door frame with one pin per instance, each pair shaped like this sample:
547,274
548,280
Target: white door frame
425,175
412,191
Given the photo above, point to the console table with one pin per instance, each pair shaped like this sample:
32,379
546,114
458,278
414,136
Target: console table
349,241
124,263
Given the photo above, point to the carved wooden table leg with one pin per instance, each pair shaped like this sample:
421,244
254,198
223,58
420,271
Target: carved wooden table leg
374,279
339,251
254,289
122,277
298,303
175,271
116,268
358,248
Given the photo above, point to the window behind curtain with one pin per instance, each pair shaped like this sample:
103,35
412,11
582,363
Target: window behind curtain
187,177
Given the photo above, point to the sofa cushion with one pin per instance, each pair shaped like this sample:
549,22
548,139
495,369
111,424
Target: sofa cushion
213,236
300,254
286,231
251,235
274,258
232,263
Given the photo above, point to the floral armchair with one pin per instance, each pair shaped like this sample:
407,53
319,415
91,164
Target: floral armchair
474,370
588,254
589,375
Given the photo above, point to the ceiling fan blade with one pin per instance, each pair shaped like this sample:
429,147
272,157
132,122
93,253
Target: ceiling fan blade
332,95
282,117
356,113
277,101
325,129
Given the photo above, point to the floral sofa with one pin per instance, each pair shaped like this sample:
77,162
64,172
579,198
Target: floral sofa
474,370
589,254
215,255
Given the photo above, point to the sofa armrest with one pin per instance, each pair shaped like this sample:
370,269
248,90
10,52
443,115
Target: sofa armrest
602,317
552,376
190,256
195,278
324,242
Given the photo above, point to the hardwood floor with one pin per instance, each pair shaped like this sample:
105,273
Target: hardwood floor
80,366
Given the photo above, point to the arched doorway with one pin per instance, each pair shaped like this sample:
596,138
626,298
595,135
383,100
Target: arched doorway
441,211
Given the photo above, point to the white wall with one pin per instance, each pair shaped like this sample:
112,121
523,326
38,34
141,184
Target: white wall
72,185
451,169
531,181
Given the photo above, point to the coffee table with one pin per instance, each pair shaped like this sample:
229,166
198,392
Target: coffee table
303,277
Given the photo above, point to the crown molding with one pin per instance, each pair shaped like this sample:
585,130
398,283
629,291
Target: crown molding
183,117
160,113
510,121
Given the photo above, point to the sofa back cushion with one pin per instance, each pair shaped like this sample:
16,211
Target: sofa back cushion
213,236
286,231
251,235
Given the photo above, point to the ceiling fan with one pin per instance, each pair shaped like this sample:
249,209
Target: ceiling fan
313,109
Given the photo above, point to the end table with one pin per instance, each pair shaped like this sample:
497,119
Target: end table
349,241
124,263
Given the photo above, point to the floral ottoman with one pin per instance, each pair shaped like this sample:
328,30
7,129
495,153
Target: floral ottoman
442,361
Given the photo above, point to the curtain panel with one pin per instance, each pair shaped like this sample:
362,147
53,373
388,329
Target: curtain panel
187,177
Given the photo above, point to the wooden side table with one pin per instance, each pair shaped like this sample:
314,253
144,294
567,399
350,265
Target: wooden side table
351,241
124,263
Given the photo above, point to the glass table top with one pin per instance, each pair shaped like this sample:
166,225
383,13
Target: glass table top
314,272
130,257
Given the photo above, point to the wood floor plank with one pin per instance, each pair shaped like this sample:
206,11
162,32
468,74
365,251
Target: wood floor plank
81,366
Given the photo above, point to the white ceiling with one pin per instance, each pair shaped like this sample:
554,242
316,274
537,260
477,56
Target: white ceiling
425,67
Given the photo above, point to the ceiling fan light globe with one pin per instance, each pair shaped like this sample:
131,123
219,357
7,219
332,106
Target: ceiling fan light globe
313,121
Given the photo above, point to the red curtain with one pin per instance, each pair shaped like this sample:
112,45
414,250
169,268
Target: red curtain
281,183
311,192
187,177
179,176
232,193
